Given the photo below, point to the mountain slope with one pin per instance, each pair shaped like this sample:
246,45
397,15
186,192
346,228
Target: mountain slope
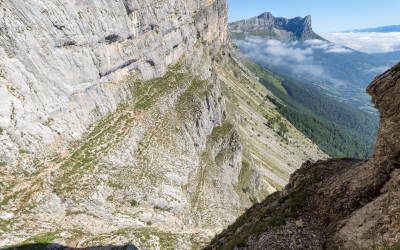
343,75
393,56
128,123
390,28
338,71
179,148
355,127
334,204
114,121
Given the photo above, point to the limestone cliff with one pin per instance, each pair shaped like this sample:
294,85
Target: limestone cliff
266,25
334,204
112,118
57,56
130,123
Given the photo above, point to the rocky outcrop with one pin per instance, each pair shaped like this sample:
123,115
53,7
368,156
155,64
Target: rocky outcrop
333,204
57,56
384,91
268,26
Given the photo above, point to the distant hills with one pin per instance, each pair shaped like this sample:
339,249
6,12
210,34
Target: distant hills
393,56
268,26
300,53
382,29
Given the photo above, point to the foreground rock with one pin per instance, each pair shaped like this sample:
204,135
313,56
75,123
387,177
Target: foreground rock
334,204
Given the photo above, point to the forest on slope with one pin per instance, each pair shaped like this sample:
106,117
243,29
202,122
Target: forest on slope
340,130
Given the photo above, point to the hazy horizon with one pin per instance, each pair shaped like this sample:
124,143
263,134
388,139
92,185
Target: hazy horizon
330,23
328,17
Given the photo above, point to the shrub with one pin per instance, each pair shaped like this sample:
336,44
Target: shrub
134,203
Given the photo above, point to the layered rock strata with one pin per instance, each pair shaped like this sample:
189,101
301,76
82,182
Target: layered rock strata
266,25
115,129
57,56
112,118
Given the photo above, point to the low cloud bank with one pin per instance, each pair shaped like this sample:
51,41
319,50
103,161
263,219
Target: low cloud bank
367,42
327,47
296,58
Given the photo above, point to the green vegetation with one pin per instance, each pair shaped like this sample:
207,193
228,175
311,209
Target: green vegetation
269,216
2,163
110,131
331,140
143,236
245,185
342,131
395,69
45,238
220,131
384,245
38,242
345,76
134,203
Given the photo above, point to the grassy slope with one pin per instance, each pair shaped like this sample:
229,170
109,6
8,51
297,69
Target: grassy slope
310,102
275,156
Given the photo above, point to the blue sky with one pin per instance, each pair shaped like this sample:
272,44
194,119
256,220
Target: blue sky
327,16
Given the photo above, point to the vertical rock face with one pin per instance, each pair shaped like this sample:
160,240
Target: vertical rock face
385,90
275,27
113,120
56,56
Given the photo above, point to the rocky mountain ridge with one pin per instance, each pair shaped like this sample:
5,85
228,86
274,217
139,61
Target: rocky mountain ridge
266,25
334,204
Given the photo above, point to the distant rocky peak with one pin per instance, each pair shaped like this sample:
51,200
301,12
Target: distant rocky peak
268,26
266,15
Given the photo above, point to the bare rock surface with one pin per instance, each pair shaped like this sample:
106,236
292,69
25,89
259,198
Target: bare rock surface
266,25
57,56
385,90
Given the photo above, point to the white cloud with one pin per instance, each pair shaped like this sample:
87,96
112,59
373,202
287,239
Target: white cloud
378,70
280,49
298,60
327,47
368,42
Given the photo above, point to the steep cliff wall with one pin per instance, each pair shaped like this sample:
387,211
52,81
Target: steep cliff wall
266,25
384,91
56,57
334,204
115,128
112,119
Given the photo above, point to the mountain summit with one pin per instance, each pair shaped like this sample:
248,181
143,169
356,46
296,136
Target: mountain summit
266,25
